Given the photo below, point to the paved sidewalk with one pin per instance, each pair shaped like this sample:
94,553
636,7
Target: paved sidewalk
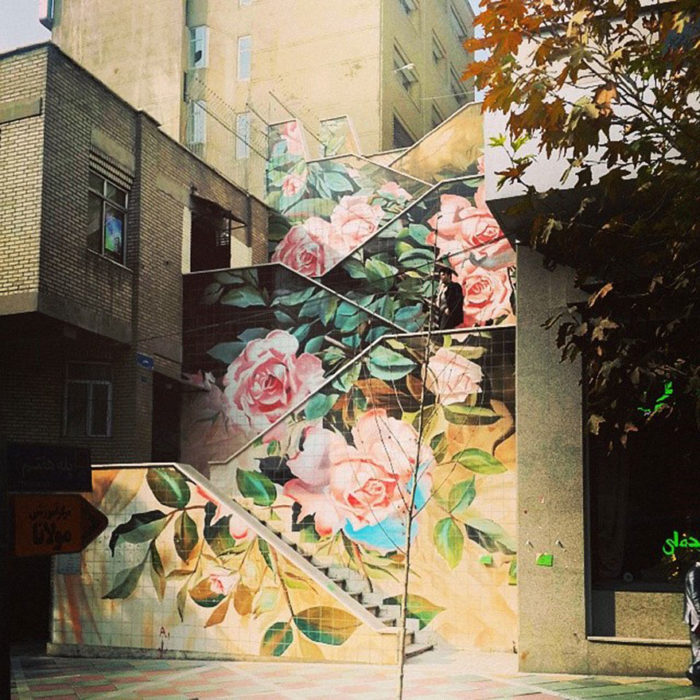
433,676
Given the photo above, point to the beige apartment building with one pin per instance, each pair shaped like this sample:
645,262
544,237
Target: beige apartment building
215,73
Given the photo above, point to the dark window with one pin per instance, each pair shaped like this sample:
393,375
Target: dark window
88,400
402,139
107,218
210,247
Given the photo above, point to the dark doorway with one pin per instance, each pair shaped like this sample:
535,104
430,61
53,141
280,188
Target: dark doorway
29,599
210,247
165,431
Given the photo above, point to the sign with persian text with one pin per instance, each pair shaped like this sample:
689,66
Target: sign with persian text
35,467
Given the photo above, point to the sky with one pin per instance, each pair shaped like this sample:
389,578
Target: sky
19,24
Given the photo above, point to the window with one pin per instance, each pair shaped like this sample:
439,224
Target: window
245,47
438,52
242,135
435,117
457,88
106,218
457,25
404,71
199,46
196,122
47,10
244,3
88,400
402,138
408,6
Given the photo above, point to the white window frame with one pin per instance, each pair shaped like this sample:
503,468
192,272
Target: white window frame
457,25
89,414
245,57
197,122
199,42
119,210
407,77
438,51
243,124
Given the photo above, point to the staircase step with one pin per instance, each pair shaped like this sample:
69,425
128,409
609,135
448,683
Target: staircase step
337,572
392,611
373,599
417,648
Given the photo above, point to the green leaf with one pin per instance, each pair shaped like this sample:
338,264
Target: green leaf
486,526
319,405
243,297
141,527
417,607
345,381
349,316
513,573
323,308
325,625
418,232
157,572
410,317
277,639
380,275
462,414
227,277
461,497
388,364
355,269
417,259
217,535
253,334
293,299
212,292
125,582
439,446
257,486
307,208
181,599
227,352
264,548
314,345
169,486
338,183
186,536
449,540
479,461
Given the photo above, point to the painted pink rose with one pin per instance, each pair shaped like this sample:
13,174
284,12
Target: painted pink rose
486,294
293,184
358,486
305,248
221,581
291,133
465,230
395,190
268,379
452,377
354,220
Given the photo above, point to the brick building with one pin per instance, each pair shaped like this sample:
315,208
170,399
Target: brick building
100,215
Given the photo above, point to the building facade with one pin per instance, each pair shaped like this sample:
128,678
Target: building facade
221,72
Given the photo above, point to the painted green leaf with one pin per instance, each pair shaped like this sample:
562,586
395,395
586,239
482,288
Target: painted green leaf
348,316
169,486
449,540
256,486
157,572
379,274
470,352
227,277
243,297
293,299
314,344
355,269
323,308
417,607
487,526
338,183
277,639
252,334
125,582
264,548
388,364
418,259
217,535
203,595
319,405
181,599
461,497
479,461
227,352
438,445
513,573
141,527
300,332
410,317
325,625
212,292
310,207
462,414
417,232
185,537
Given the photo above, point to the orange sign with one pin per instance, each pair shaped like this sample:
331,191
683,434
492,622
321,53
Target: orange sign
54,524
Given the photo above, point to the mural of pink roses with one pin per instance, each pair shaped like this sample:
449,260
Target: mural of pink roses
268,378
305,248
361,487
291,133
395,190
221,581
293,184
354,220
468,232
238,528
486,294
452,377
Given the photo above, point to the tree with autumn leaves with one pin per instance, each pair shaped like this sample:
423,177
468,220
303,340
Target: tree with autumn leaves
611,89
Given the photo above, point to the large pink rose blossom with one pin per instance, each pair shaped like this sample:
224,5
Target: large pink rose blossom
293,184
362,484
291,133
486,294
452,377
222,581
354,220
268,379
467,232
395,190
305,248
